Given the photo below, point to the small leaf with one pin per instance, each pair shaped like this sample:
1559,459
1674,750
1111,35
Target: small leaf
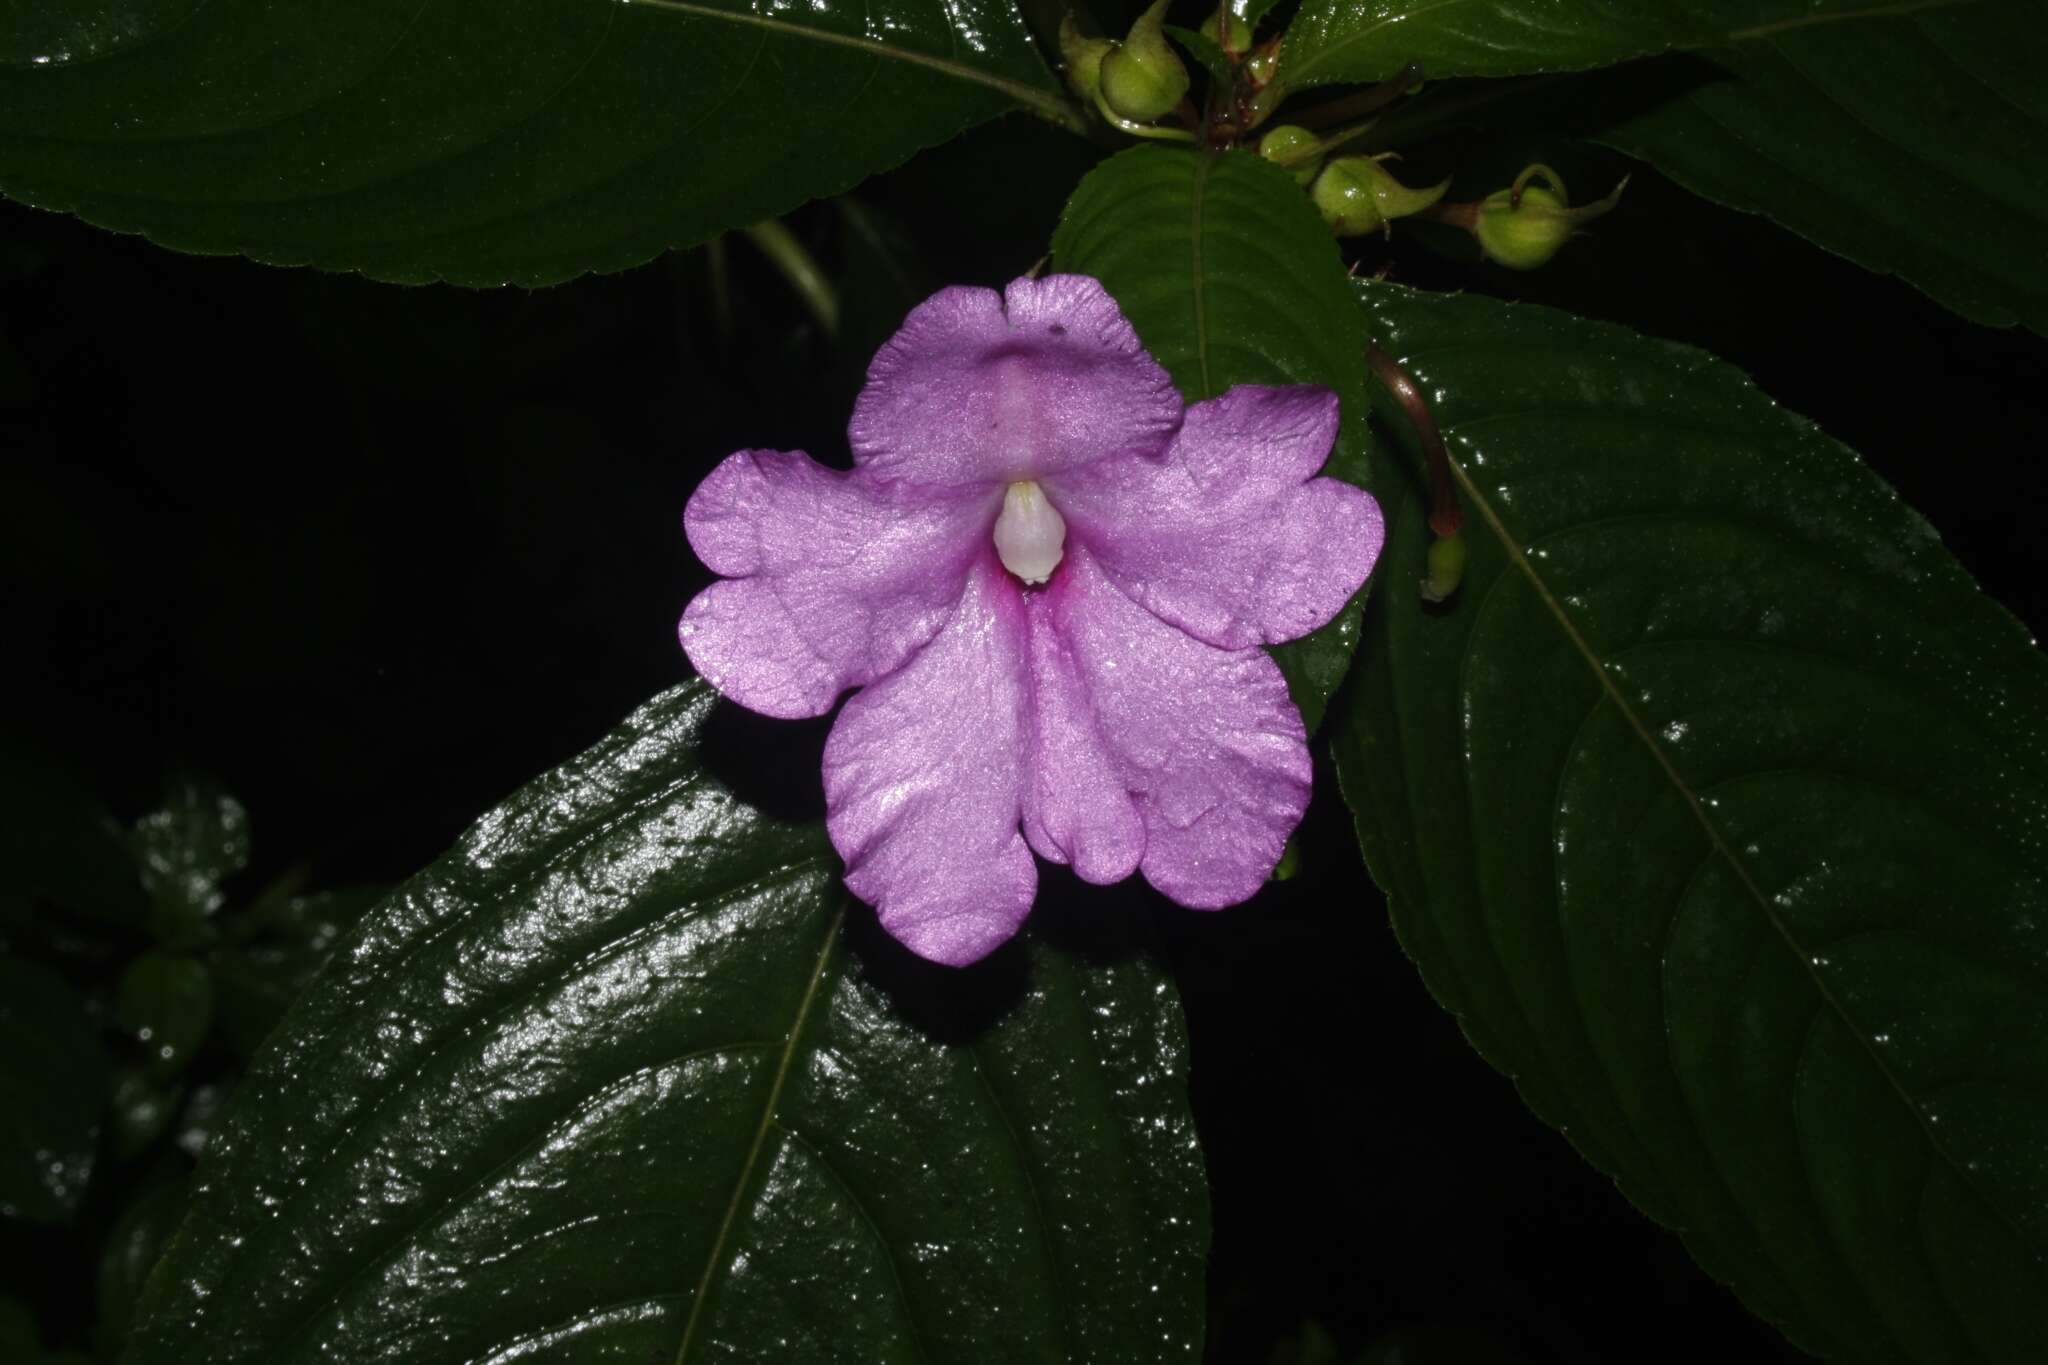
165,1002
485,142
610,1080
1915,145
1230,277
1370,40
131,1251
199,1118
142,1107
187,849
54,1078
1712,805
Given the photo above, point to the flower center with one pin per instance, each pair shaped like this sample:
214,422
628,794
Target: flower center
1030,533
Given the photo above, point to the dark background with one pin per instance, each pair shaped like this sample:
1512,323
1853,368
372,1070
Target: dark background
374,557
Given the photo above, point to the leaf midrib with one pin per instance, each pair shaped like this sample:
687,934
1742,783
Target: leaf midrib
1304,76
1477,499
1046,103
713,1260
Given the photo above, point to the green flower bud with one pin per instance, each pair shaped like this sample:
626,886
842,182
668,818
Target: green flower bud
1141,77
1356,194
1296,149
1228,32
1263,65
1082,58
1524,226
1446,568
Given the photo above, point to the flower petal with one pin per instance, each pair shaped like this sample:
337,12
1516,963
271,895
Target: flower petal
924,781
980,386
1076,808
1232,537
1205,739
832,579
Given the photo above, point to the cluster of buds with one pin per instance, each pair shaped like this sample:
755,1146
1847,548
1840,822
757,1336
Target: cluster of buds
1355,194
1138,79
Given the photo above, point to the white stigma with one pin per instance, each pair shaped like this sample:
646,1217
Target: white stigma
1030,534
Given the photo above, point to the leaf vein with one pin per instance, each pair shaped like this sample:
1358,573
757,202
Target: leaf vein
1562,619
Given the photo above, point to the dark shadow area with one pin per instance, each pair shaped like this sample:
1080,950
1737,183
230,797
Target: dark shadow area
952,1005
772,765
1580,104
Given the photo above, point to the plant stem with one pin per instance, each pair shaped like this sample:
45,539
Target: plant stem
800,269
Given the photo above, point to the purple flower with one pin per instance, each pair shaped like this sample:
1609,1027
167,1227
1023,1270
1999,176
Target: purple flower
1051,582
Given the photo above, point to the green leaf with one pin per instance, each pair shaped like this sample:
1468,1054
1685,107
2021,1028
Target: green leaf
612,1080
141,1108
131,1251
54,1079
1713,805
187,849
1206,52
165,1002
484,141
1231,277
1369,40
1915,145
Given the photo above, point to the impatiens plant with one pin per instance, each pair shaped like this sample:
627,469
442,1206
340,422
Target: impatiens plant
1266,449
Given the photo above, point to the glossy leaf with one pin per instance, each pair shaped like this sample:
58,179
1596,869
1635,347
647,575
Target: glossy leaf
614,1080
1369,40
1713,806
54,1079
521,141
1231,277
1915,145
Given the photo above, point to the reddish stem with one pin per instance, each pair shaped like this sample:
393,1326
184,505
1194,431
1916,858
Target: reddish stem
1445,514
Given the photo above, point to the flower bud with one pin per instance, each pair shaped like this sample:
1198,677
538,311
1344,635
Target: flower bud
1296,149
1228,32
1446,567
1524,226
1142,79
1082,58
1356,194
1263,65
